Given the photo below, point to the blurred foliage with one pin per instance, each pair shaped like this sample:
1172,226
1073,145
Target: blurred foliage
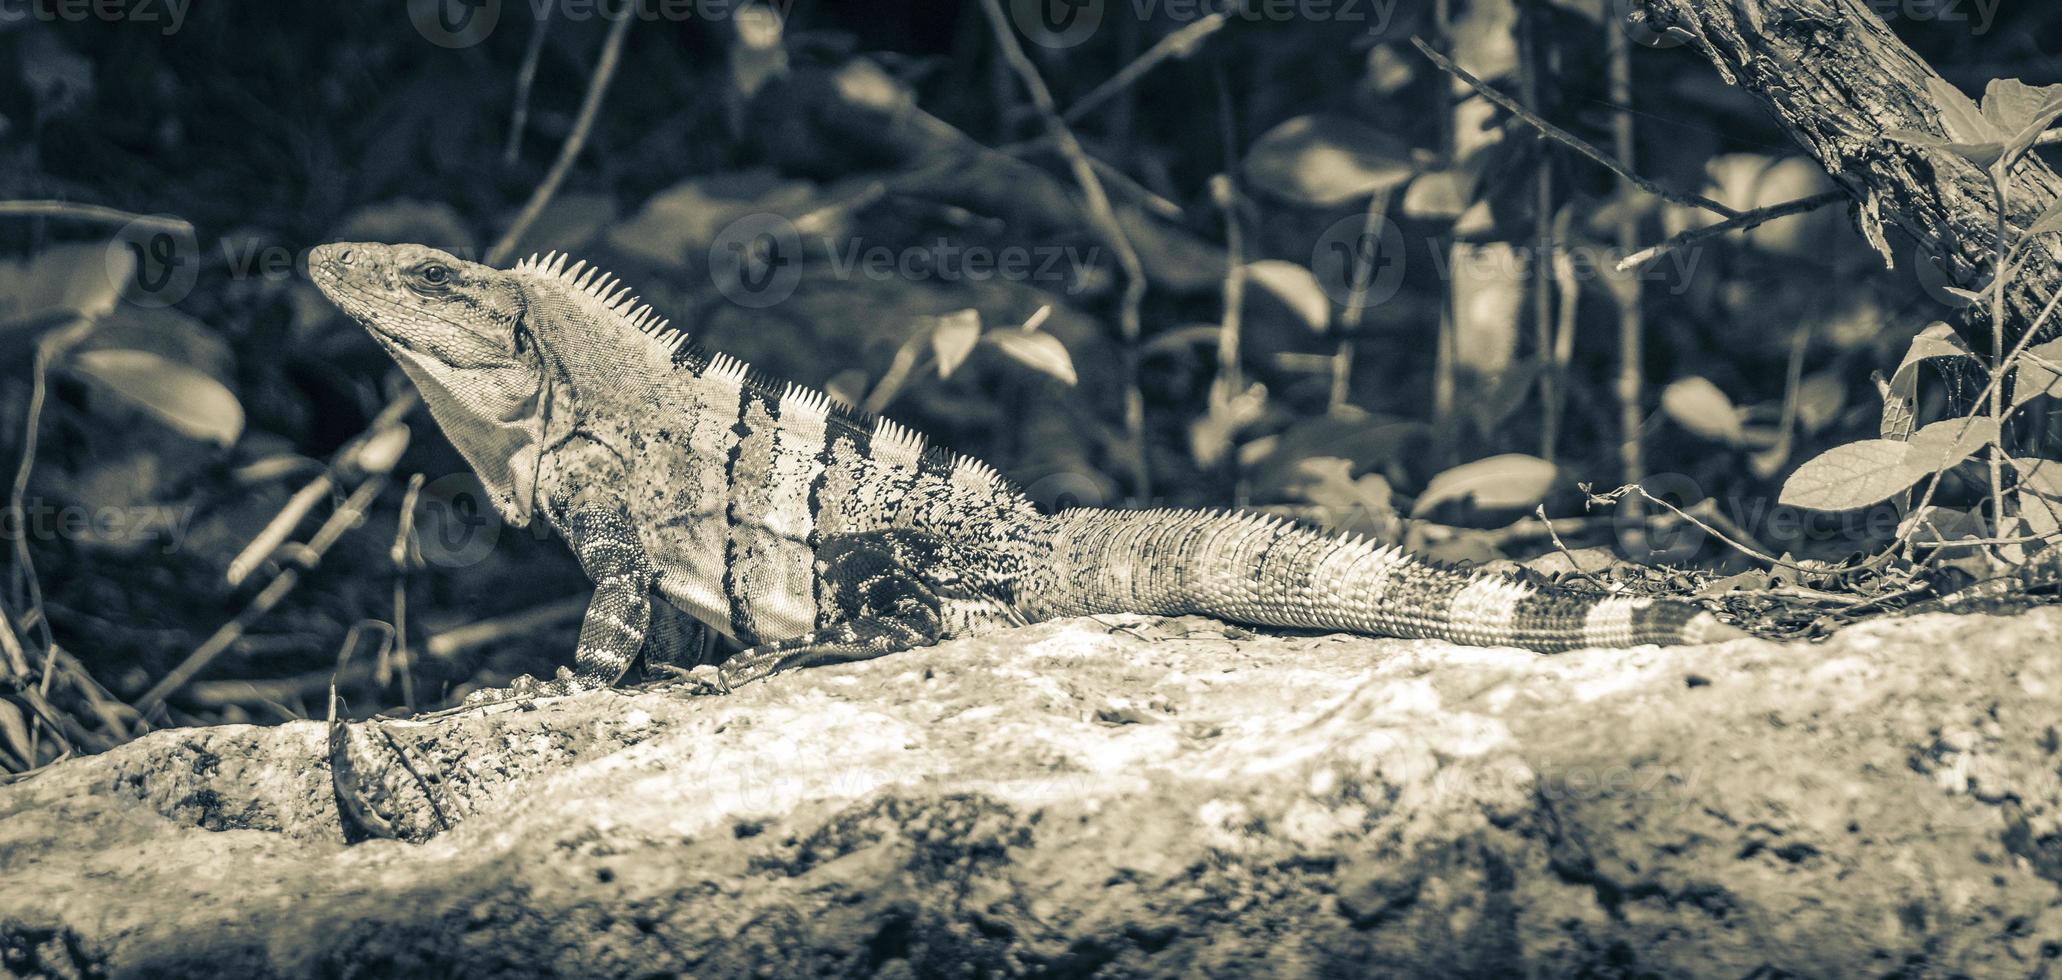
1309,199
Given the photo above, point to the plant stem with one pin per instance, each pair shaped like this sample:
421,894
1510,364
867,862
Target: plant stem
1997,360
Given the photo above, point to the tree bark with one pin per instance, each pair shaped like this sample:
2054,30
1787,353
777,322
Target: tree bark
1835,76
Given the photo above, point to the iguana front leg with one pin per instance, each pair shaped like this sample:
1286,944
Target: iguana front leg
883,592
617,617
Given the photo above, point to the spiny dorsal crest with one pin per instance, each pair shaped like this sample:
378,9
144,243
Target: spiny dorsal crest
893,443
603,295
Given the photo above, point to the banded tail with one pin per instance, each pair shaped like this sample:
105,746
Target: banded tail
1269,572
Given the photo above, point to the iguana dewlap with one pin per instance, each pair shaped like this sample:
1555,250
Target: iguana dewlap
812,535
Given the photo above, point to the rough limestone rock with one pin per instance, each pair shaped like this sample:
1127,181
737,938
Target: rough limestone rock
1119,797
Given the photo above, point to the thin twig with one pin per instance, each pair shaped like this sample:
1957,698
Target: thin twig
1574,564
1579,145
404,558
1997,376
1118,179
16,662
276,531
1745,220
1357,297
1446,337
526,76
1180,43
451,643
1730,540
1997,360
1103,217
1224,189
583,123
1230,378
1530,55
347,465
1570,295
346,517
1976,542
28,590
91,212
1631,318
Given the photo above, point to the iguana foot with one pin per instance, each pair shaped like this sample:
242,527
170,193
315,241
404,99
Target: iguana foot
526,687
703,679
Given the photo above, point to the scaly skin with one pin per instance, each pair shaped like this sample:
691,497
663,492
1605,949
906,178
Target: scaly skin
812,535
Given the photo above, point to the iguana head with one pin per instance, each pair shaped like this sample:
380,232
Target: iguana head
458,330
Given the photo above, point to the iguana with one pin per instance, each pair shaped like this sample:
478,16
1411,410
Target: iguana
813,535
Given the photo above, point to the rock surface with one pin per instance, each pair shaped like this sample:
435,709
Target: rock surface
1120,797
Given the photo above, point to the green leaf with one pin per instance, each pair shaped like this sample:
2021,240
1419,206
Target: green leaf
1937,340
954,338
1442,195
1361,505
1508,481
2039,514
2042,476
2050,220
1819,400
1959,116
1982,155
14,730
1849,477
1901,393
2031,130
1327,160
1699,406
1942,524
181,396
82,278
1298,287
2011,105
1945,443
1041,352
2039,372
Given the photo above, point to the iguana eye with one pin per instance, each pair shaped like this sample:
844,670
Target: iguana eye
435,274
